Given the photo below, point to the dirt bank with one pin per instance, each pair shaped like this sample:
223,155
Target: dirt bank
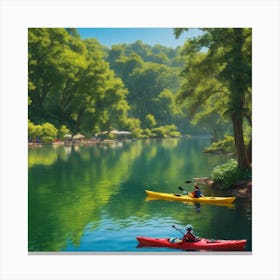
242,188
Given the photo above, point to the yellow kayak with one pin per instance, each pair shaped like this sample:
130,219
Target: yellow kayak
189,197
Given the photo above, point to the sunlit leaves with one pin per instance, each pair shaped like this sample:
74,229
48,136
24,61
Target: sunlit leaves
150,121
71,83
225,68
46,132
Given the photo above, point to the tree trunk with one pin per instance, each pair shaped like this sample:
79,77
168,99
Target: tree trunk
77,128
243,161
249,152
238,89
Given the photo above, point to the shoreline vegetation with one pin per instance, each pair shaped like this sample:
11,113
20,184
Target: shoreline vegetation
83,90
240,188
73,142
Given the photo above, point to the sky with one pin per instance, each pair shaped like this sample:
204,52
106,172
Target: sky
151,36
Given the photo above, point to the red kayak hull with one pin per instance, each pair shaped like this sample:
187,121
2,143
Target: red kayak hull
202,244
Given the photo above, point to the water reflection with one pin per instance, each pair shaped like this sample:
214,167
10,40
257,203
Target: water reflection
72,192
197,207
196,204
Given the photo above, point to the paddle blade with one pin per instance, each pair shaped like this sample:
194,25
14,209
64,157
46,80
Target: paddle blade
180,188
189,181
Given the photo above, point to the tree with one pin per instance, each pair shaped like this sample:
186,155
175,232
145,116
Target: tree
63,130
151,76
49,132
124,65
102,98
34,131
145,86
71,84
55,61
219,63
46,132
150,121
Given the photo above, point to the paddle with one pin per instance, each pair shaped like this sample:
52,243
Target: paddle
185,192
178,229
187,182
181,189
197,238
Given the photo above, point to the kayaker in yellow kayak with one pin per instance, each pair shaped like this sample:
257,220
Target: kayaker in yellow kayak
196,192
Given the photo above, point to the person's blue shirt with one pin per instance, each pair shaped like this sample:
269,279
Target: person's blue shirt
197,193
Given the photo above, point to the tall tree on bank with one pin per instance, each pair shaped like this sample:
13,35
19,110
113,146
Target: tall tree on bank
224,69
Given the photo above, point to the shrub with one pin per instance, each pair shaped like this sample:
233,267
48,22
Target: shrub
166,131
147,133
34,131
134,126
175,134
159,132
49,132
227,174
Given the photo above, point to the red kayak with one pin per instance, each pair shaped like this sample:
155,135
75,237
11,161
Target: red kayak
202,244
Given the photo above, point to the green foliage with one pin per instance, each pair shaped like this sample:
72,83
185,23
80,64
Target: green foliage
174,134
46,132
227,174
151,75
217,75
159,132
126,64
89,88
147,133
34,131
29,101
49,133
62,131
150,121
165,131
134,126
224,146
71,84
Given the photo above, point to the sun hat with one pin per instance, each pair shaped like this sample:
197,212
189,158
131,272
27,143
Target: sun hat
189,227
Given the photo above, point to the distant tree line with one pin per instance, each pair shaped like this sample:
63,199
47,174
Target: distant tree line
80,86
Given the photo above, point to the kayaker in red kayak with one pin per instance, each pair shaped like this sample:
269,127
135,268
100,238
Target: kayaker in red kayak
197,193
189,235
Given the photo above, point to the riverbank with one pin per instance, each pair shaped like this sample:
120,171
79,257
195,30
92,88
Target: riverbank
242,188
76,142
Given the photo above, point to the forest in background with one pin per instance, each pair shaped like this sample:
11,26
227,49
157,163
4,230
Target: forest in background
79,86
204,87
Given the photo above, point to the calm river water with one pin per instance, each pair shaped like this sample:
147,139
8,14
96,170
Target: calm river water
92,199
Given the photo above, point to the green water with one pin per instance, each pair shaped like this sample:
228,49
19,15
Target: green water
92,199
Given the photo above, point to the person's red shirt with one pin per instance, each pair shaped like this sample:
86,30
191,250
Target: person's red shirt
189,236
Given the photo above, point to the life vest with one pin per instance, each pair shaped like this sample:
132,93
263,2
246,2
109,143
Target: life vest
189,236
197,193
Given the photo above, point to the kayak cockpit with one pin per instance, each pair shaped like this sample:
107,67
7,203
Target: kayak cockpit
175,240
